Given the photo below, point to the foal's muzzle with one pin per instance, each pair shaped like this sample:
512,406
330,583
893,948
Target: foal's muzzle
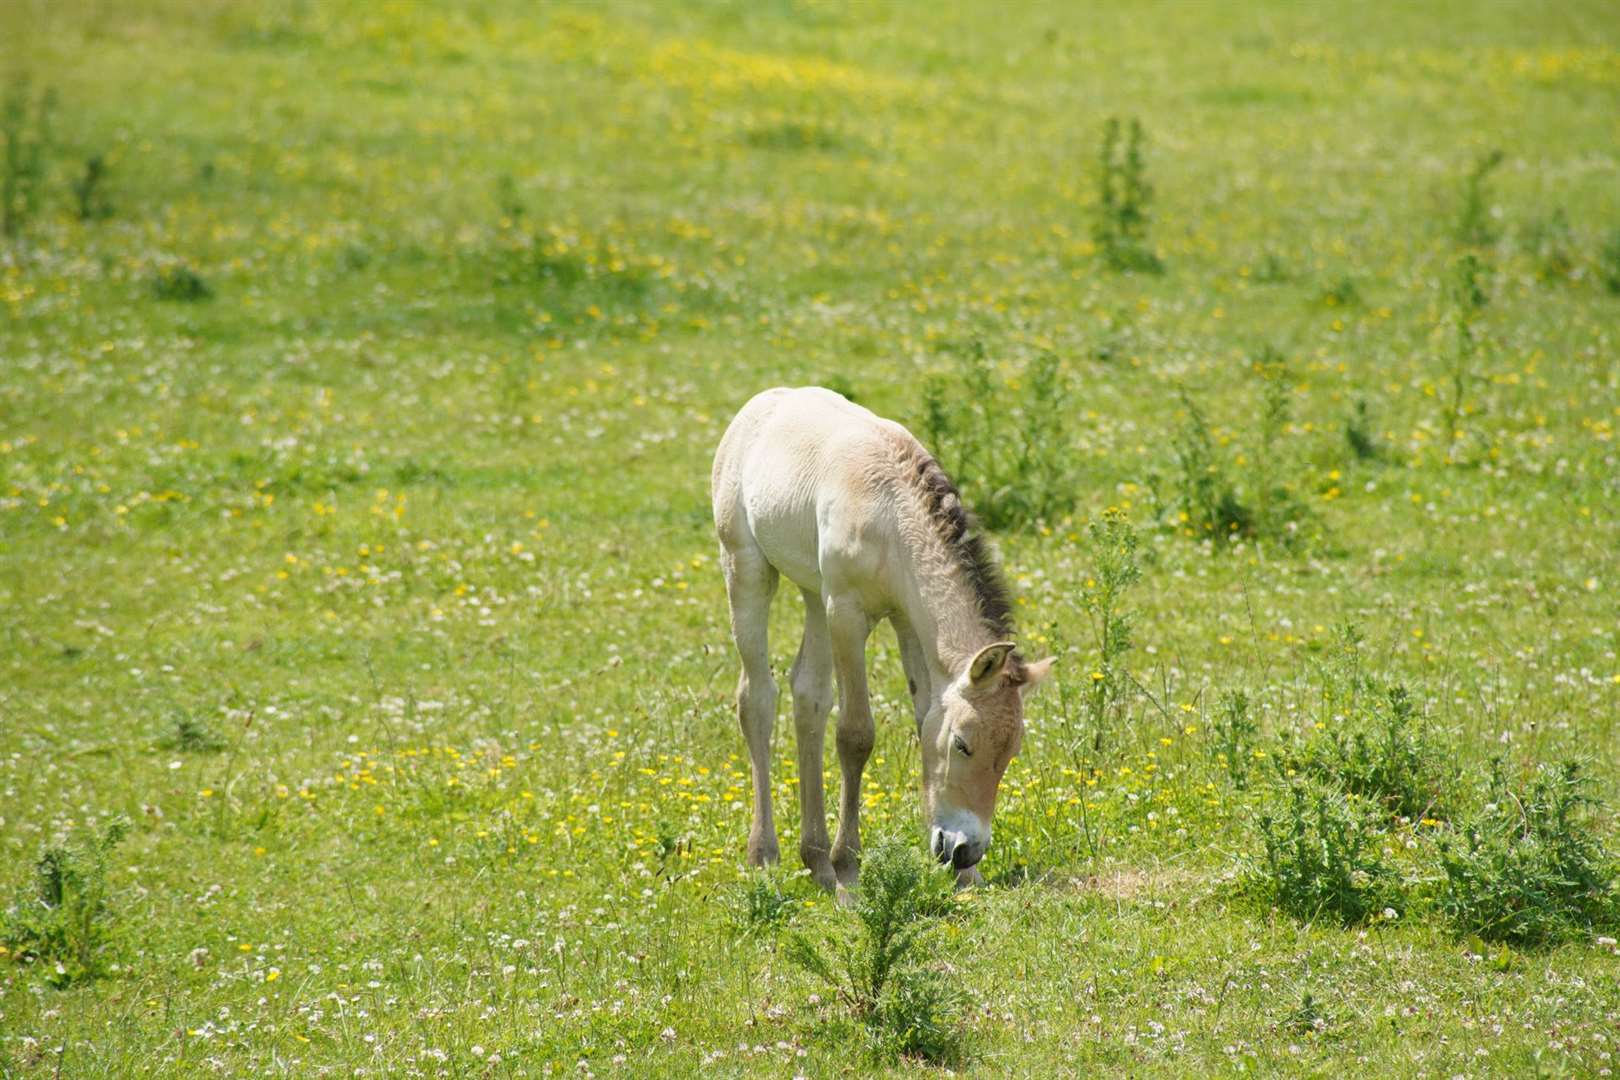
956,849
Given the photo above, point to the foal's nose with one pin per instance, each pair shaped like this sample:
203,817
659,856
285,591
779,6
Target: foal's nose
964,855
955,849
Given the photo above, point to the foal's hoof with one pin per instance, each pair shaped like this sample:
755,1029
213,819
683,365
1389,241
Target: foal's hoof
845,895
822,874
966,879
762,852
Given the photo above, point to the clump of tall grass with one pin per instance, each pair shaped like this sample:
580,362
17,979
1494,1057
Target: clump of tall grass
1369,738
762,905
1359,435
190,734
1207,499
1092,708
1115,568
1549,241
90,190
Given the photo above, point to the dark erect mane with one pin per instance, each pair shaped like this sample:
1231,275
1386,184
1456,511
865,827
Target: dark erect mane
972,555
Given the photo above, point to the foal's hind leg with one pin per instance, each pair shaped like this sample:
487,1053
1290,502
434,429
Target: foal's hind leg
812,700
750,583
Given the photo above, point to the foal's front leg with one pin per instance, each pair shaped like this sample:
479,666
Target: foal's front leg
916,667
848,626
812,700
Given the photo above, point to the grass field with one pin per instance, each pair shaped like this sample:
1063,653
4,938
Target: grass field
355,544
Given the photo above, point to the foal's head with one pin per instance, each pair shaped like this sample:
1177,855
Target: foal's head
967,741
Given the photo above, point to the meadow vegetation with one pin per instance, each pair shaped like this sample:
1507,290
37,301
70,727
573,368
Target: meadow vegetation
365,678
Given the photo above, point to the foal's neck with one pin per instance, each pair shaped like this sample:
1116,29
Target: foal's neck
945,615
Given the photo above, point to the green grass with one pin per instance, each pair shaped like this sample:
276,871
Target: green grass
403,514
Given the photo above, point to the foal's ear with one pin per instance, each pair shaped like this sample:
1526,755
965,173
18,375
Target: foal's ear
1034,673
987,665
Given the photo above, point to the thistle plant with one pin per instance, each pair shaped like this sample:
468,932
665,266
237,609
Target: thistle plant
1531,867
1321,857
1382,751
1120,230
1209,502
1609,263
63,924
25,138
1466,301
1112,542
879,967
1011,474
1232,735
1474,219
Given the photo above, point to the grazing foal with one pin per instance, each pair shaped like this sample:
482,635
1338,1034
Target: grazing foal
860,517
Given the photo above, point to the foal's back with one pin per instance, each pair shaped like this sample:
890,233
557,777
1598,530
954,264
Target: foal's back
801,472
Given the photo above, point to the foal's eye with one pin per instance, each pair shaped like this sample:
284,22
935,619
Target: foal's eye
962,747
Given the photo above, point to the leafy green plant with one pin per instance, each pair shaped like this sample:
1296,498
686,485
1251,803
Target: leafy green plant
1308,1018
1359,435
179,282
1271,269
1530,868
1608,263
878,963
509,203
1342,292
89,190
1381,751
1207,498
1224,496
1120,229
1549,241
1322,857
1466,298
841,385
1231,737
1115,569
795,135
63,922
25,131
1474,224
189,734
762,906
1011,463
1277,511
1092,707
1341,674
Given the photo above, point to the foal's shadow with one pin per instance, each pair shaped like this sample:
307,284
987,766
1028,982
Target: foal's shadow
1022,875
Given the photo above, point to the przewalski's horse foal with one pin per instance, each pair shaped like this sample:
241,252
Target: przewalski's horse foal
863,520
